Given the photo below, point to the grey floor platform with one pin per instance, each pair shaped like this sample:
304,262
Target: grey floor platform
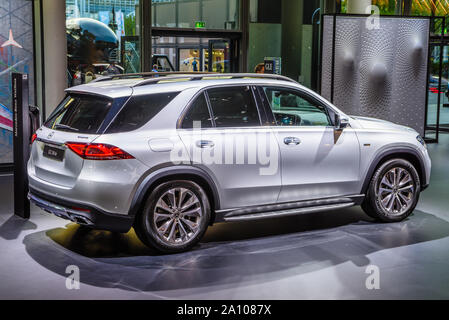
317,256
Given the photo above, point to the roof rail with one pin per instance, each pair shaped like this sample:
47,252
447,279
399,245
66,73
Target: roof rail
155,77
145,75
193,76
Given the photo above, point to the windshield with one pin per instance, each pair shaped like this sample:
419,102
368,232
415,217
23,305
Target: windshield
80,113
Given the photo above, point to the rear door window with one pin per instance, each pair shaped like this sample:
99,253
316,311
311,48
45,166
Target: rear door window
198,115
139,110
233,107
80,113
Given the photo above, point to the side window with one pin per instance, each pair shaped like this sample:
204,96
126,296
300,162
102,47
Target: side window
198,112
291,108
139,110
233,107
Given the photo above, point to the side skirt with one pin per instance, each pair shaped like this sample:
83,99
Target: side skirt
287,209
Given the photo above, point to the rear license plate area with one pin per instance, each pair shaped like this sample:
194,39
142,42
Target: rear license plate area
53,153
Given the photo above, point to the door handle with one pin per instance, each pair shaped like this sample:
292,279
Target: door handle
205,144
291,141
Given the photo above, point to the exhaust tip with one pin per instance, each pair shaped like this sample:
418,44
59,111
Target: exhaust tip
81,220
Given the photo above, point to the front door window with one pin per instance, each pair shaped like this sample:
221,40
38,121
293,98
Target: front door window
292,108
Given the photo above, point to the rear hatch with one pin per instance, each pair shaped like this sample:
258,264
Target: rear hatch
78,119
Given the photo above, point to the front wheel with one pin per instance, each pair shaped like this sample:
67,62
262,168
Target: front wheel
393,191
175,217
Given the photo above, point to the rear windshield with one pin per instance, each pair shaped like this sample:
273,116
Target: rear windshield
80,113
139,110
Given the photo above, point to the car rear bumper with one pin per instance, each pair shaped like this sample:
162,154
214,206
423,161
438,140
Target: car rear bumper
106,185
81,214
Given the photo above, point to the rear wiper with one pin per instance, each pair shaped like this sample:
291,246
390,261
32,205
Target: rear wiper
66,127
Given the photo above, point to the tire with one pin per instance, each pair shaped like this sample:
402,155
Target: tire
390,200
164,225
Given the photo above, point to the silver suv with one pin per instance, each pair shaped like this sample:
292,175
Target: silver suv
171,154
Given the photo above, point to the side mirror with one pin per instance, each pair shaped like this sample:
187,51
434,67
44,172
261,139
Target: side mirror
341,121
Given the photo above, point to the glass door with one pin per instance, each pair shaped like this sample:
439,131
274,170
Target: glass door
435,92
130,54
219,56
191,54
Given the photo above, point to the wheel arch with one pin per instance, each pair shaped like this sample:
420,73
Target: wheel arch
406,153
175,173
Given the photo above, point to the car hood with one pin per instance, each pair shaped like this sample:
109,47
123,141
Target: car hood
373,123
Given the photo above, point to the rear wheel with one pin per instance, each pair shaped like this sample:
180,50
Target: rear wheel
175,217
393,191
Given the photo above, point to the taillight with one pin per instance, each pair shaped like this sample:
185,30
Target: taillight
33,138
98,151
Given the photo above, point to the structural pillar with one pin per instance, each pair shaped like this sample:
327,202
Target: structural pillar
292,23
54,42
328,6
407,7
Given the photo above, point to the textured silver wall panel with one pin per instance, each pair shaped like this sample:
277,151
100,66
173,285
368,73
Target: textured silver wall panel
379,73
326,57
347,45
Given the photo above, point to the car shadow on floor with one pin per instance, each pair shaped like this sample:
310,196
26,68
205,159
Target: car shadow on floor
14,226
231,253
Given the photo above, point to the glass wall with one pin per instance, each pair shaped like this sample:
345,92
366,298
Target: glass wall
209,14
406,7
430,8
102,38
16,55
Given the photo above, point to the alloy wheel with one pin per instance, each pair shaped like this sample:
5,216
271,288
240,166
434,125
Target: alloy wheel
177,216
396,191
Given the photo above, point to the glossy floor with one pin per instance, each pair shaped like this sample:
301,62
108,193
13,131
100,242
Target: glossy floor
323,255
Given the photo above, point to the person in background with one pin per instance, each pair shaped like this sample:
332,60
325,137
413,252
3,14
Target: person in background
260,68
155,68
195,65
218,65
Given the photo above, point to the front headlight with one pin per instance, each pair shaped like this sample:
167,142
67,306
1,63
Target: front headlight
421,140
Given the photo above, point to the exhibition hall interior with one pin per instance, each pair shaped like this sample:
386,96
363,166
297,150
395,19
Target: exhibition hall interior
352,100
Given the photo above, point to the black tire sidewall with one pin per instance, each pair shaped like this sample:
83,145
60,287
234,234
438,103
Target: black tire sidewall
374,206
146,224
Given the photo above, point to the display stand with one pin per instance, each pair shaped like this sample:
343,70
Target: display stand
21,140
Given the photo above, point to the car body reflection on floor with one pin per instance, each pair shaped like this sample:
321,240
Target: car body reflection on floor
230,253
